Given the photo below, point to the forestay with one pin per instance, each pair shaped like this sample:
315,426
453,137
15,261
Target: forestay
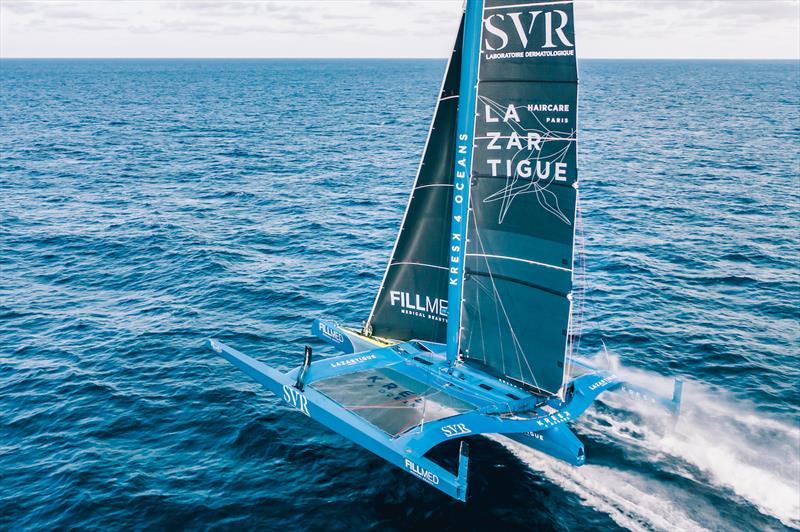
518,268
412,300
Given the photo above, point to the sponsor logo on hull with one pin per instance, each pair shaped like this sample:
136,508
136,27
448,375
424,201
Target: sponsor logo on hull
331,333
296,399
352,361
456,429
421,472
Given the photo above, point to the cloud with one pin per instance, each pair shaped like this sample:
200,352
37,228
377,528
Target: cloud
393,28
15,6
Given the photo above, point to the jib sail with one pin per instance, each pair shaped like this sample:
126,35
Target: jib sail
518,266
412,300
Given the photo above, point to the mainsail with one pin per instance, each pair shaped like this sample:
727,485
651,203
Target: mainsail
412,300
518,267
510,309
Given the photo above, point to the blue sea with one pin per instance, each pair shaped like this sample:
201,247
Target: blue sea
146,205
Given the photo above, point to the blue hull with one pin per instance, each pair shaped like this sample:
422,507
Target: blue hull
430,401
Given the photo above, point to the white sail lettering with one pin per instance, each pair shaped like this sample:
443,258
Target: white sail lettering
394,297
523,35
548,20
561,172
489,118
539,173
511,113
524,168
495,136
533,141
494,163
497,32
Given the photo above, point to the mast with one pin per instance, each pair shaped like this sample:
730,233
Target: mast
462,170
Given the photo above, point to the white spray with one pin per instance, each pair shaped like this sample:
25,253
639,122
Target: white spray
716,441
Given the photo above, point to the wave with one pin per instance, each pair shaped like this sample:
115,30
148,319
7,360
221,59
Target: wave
717,442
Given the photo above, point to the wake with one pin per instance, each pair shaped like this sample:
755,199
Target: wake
718,446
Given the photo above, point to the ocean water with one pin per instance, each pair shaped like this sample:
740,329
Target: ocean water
148,205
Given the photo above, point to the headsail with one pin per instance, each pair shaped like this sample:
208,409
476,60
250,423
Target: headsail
518,268
412,300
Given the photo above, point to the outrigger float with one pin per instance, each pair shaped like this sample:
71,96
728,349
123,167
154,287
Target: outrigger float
471,330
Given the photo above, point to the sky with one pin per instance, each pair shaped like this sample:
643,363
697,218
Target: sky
381,28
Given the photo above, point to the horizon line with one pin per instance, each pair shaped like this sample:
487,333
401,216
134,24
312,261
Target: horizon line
391,58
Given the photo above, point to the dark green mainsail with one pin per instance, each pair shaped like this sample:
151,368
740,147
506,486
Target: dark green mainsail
518,267
412,300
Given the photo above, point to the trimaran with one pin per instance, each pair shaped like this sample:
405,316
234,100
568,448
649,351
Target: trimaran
471,331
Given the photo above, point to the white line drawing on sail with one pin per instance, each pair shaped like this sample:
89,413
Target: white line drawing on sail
516,185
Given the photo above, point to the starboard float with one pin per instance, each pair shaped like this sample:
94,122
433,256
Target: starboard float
471,331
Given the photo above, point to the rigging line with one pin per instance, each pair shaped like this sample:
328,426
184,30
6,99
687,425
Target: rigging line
576,309
478,287
448,97
418,264
582,277
508,319
499,331
497,304
494,299
480,324
535,263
